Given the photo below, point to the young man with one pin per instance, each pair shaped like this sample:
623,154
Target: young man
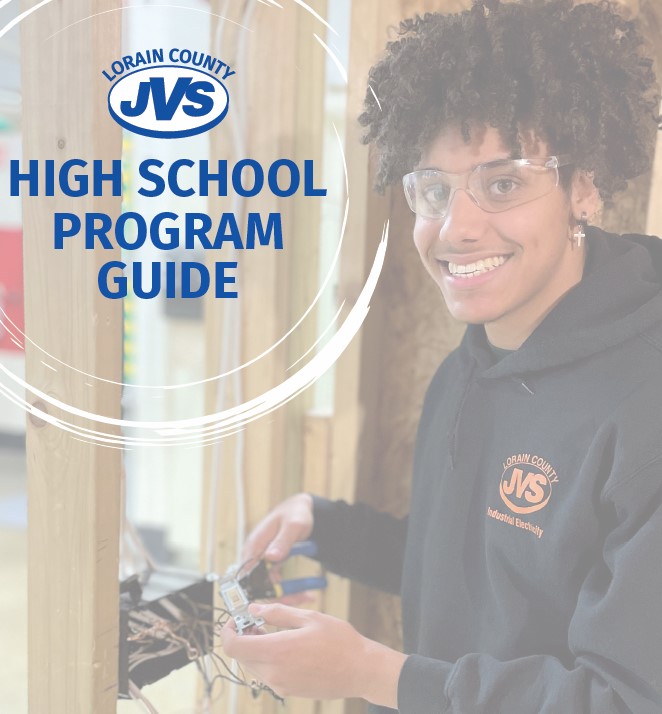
529,564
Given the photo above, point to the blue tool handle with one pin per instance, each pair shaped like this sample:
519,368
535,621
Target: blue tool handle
305,547
299,585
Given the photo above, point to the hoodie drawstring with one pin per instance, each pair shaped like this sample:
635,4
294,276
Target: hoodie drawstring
458,417
530,391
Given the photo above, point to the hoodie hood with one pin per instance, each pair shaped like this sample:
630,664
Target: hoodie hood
619,297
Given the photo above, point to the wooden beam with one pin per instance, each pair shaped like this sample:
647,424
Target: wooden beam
73,487
275,287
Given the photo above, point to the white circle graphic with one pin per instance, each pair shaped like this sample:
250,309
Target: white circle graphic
211,427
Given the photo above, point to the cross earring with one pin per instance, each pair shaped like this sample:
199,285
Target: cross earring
580,232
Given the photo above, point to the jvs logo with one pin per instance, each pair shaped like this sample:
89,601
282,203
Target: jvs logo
526,483
167,101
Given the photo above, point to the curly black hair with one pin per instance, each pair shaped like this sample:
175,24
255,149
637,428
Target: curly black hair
576,74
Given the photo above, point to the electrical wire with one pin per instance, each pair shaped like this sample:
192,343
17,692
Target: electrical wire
159,637
135,693
154,636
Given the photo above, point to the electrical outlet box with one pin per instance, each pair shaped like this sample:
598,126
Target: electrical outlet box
185,605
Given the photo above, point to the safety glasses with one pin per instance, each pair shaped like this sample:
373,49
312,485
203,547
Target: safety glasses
495,186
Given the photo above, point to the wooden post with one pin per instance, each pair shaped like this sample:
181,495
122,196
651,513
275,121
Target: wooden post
282,77
73,487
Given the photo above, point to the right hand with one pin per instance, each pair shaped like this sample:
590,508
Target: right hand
288,523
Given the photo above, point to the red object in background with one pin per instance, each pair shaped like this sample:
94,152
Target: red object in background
11,286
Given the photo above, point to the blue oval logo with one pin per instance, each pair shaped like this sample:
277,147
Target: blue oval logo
168,102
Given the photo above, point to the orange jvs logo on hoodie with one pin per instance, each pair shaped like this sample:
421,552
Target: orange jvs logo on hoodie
526,483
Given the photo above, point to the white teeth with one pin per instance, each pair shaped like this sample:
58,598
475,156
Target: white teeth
471,269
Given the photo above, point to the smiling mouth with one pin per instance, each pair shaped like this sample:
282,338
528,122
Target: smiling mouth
471,270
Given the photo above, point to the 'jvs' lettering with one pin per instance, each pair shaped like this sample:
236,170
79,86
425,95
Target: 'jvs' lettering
165,107
524,491
531,487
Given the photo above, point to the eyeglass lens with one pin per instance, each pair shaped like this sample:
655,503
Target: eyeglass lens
494,187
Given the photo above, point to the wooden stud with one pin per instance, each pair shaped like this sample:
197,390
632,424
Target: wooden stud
73,487
275,287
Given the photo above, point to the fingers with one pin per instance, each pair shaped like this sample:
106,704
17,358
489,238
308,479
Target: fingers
275,614
234,644
262,535
288,534
281,616
256,645
273,537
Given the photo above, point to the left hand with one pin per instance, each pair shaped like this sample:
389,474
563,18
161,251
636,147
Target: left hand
316,656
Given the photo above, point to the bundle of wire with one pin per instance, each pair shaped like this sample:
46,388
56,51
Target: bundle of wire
158,637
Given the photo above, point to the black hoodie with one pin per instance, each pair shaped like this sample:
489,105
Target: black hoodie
530,566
